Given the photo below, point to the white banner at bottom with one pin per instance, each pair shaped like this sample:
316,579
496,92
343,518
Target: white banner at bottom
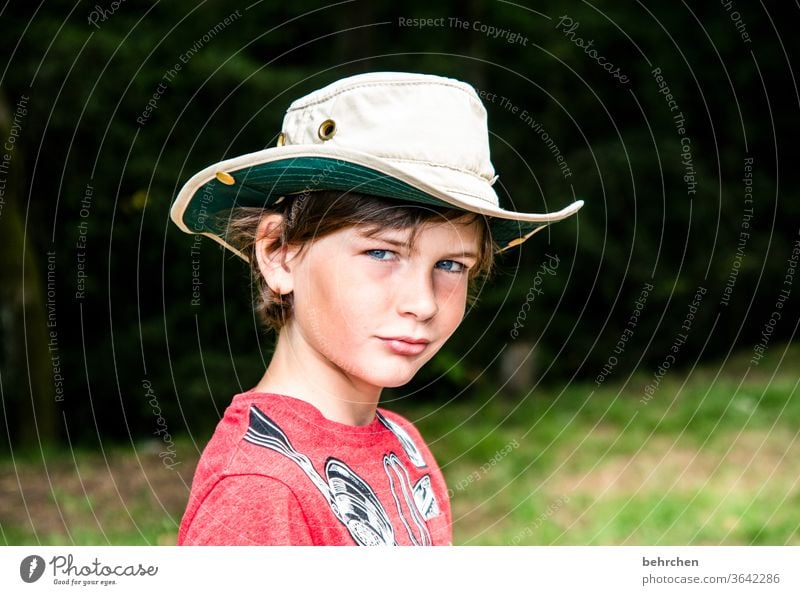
493,570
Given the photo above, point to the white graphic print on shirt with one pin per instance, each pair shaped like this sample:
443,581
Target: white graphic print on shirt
352,501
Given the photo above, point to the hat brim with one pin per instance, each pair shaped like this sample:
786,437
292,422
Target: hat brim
259,179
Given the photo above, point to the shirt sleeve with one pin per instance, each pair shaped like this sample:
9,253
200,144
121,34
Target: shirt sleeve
249,510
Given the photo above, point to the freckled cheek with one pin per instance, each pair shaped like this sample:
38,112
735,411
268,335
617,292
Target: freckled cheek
452,299
353,304
367,291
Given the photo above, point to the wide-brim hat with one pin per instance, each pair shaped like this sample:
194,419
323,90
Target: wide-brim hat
412,137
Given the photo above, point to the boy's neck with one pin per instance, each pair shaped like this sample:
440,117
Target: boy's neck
296,371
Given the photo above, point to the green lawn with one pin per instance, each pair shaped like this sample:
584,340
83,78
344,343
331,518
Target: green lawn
709,459
712,458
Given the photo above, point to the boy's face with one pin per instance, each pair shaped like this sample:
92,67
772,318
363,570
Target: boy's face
374,310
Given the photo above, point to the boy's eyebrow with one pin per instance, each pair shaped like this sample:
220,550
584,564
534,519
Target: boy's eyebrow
404,244
461,255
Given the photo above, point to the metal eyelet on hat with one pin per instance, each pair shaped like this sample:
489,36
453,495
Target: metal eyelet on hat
281,139
327,129
225,178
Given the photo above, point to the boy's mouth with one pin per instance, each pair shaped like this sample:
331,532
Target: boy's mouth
405,345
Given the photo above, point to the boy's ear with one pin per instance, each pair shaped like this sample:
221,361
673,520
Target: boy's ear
274,260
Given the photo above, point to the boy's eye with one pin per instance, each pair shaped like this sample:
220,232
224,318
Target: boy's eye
451,266
381,254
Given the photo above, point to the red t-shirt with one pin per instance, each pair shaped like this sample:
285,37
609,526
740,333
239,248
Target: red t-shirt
276,472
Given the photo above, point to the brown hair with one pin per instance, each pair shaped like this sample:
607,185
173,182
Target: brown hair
313,215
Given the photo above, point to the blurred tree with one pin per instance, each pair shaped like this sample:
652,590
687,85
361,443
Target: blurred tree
26,374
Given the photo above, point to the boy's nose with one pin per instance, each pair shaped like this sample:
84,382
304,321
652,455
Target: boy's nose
416,294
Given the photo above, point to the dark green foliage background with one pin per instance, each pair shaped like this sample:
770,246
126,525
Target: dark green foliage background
87,86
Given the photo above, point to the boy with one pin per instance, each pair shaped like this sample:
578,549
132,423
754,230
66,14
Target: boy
364,229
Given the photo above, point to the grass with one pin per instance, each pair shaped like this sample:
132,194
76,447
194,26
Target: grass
120,497
713,458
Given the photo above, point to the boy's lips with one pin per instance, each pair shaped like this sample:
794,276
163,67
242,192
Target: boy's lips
405,345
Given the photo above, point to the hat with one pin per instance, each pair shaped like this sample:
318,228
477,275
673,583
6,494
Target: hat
412,137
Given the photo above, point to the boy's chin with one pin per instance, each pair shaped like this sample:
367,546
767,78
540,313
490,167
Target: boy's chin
390,373
396,383
390,379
